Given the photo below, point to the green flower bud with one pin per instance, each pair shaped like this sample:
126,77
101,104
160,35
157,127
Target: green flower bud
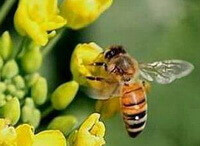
11,110
39,91
11,89
2,87
2,100
7,81
31,60
19,82
72,138
10,69
64,95
8,97
19,94
30,114
32,79
63,123
5,45
1,62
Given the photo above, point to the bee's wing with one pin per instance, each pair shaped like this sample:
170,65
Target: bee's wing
103,90
165,72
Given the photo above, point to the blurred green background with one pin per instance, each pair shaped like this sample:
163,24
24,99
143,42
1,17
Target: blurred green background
151,30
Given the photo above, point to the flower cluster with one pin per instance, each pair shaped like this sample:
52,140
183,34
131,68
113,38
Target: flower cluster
23,135
90,133
17,87
39,19
24,92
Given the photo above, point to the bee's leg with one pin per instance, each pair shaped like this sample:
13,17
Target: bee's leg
94,78
100,64
146,86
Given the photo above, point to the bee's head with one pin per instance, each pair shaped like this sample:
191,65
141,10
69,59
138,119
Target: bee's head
114,51
121,64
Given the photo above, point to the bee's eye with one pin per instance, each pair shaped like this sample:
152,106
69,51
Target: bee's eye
110,54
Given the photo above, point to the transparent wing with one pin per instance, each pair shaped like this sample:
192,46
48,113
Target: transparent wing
165,72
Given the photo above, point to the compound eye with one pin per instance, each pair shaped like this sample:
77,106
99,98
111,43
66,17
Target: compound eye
112,53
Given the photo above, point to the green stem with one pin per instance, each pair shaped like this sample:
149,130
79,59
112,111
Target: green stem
53,42
47,111
5,8
19,49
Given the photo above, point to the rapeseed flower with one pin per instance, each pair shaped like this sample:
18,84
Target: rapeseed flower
23,135
80,13
90,133
37,19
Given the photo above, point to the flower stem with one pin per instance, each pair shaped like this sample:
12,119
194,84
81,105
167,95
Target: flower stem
53,42
5,8
20,48
47,111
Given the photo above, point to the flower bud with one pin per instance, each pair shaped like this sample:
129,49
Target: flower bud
32,79
11,89
10,69
64,95
80,13
19,94
63,123
72,138
5,45
2,100
30,114
19,82
39,91
8,97
11,110
1,62
31,60
2,87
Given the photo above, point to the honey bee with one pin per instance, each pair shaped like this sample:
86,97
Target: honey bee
124,77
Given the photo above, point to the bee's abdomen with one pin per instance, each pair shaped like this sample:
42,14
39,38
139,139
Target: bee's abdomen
134,108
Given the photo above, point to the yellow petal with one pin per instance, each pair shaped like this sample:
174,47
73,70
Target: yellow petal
35,18
80,13
49,138
91,132
98,129
89,122
83,55
25,135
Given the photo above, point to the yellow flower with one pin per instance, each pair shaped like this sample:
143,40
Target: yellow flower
35,18
7,134
83,55
23,136
80,13
91,132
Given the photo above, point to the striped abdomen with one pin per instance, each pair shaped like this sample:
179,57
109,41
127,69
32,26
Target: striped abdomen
134,108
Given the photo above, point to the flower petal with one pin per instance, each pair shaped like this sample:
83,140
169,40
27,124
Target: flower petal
49,138
24,135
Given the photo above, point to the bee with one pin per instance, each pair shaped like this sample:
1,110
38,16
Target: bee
120,75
